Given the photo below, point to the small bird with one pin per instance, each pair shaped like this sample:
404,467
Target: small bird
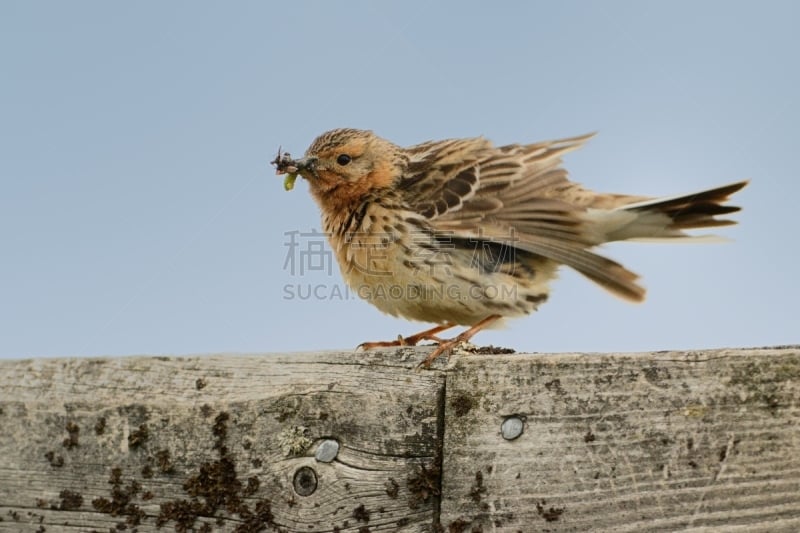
462,232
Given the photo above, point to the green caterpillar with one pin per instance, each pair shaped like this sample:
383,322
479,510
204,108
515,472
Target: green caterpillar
288,181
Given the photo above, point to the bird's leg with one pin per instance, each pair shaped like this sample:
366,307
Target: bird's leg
412,340
446,346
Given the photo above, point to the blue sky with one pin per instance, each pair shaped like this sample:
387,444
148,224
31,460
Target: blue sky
139,215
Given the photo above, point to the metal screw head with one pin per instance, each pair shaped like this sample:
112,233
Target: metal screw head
327,451
512,427
305,481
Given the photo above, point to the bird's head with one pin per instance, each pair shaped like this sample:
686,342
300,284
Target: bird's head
343,165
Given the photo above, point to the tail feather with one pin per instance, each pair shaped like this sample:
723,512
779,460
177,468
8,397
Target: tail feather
668,217
696,210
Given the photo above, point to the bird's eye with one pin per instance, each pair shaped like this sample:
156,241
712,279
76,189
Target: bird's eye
343,159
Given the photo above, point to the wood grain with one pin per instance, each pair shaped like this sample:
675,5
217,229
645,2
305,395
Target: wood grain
698,441
641,442
202,442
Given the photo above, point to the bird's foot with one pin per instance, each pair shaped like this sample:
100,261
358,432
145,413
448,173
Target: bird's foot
447,346
412,340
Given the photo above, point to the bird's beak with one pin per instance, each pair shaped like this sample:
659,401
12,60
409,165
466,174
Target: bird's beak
284,164
306,166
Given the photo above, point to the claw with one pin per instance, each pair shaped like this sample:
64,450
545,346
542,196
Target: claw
445,346
412,340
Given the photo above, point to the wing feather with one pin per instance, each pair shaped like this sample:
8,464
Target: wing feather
509,195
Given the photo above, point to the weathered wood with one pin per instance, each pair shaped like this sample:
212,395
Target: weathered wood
90,444
642,442
701,441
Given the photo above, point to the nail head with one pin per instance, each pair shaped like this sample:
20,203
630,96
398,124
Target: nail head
327,451
512,427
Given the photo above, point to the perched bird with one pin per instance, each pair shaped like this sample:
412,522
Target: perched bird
461,232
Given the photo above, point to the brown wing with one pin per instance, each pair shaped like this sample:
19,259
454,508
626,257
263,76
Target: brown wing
516,195
442,175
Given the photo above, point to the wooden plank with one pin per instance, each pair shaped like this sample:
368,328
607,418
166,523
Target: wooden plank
217,443
700,441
